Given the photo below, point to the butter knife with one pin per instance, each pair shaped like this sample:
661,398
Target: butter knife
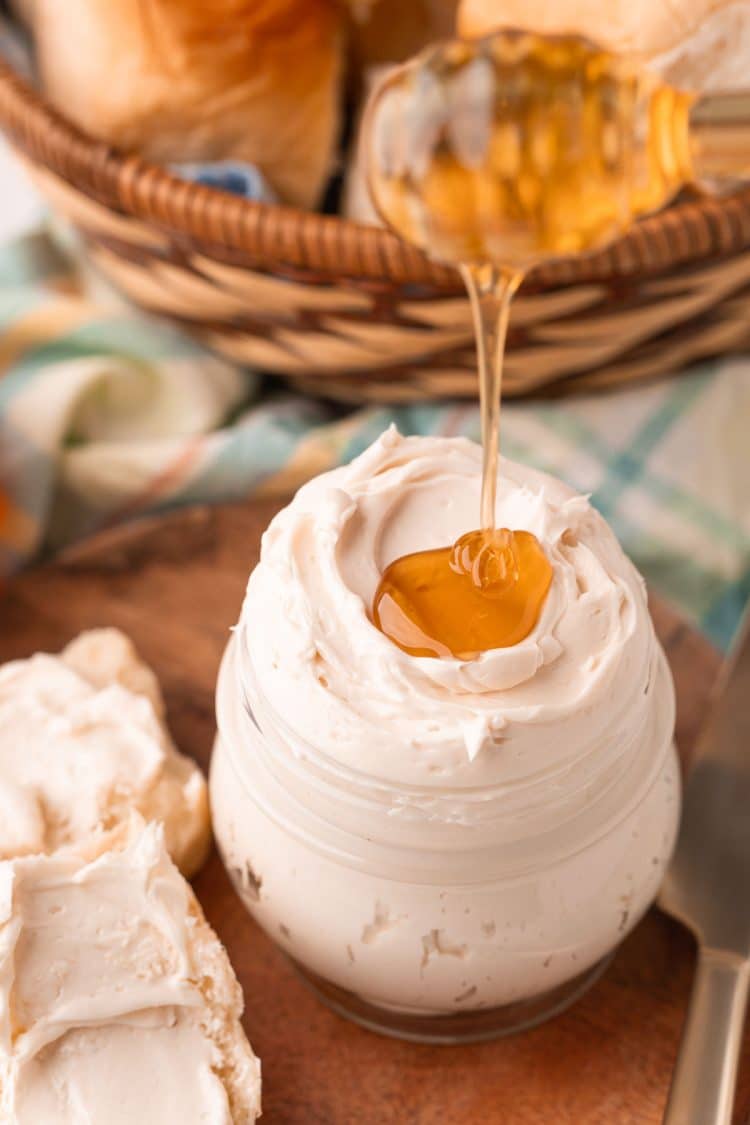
708,889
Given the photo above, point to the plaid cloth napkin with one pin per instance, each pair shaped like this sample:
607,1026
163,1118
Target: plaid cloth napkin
105,415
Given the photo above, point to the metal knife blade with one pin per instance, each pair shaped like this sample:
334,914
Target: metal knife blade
708,889
707,886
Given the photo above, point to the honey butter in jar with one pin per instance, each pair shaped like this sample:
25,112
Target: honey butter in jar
447,847
444,778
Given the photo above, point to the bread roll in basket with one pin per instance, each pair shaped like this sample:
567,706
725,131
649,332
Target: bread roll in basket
347,310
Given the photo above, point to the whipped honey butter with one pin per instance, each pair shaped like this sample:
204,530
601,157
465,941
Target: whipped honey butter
434,840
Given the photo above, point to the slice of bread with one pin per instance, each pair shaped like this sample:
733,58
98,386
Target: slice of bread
117,1001
83,743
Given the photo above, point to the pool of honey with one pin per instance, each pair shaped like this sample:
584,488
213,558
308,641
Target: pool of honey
484,592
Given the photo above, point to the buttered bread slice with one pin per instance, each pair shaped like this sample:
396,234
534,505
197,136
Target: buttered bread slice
83,744
118,1003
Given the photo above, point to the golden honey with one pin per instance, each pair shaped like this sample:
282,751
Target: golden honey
485,592
520,147
496,155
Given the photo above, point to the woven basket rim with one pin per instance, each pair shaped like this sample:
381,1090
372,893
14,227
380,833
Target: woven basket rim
281,238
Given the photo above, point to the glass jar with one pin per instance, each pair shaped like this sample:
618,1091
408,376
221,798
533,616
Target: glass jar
440,915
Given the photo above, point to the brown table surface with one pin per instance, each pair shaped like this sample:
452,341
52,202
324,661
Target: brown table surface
175,585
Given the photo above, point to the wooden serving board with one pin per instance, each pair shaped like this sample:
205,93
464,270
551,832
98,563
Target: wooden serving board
175,585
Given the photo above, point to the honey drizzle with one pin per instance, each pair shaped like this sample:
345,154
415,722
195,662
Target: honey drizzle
491,289
495,155
486,591
562,96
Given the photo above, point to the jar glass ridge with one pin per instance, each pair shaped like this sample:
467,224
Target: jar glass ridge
446,913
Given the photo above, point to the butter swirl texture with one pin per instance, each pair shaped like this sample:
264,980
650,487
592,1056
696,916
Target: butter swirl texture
585,681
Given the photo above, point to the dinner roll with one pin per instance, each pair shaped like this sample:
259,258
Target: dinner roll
186,81
83,745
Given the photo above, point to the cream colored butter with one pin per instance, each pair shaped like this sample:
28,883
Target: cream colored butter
117,1002
438,836
82,743
577,681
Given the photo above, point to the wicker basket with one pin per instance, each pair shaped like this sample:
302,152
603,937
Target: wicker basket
352,313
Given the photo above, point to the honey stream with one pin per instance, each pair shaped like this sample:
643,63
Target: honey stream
496,155
486,590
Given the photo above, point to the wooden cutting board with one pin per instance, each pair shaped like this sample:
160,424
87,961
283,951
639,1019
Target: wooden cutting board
175,585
